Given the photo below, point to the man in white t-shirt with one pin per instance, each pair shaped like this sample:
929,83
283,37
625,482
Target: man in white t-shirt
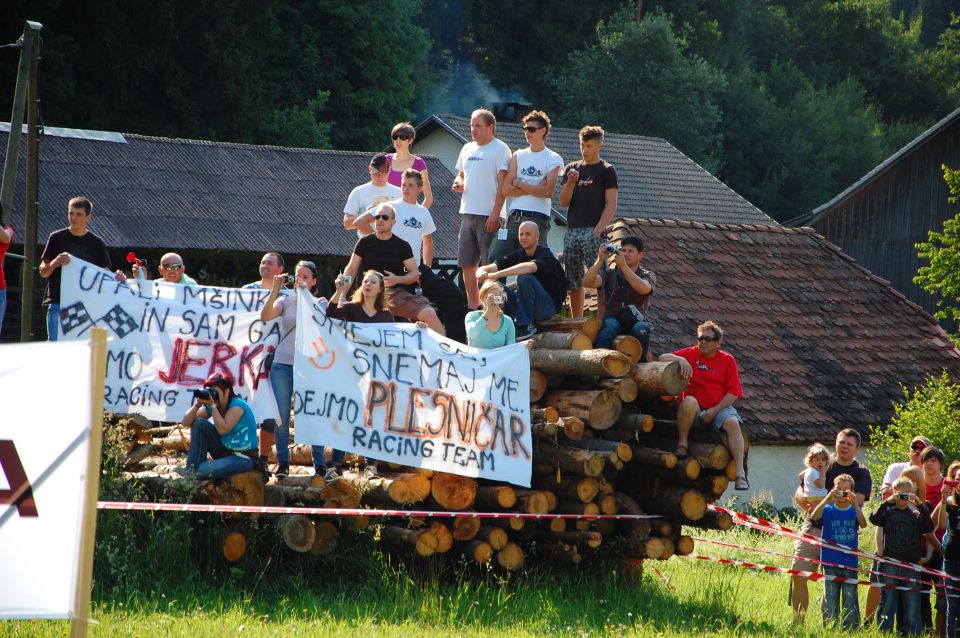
482,166
530,182
370,195
416,227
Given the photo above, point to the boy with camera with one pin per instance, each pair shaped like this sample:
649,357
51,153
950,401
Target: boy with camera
842,520
904,518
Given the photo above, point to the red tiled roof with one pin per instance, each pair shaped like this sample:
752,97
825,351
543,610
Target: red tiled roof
821,342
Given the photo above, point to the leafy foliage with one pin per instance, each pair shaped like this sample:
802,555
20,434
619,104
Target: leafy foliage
932,410
941,277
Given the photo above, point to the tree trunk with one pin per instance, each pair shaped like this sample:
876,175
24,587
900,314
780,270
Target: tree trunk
583,462
423,541
533,501
629,346
443,535
453,492
326,538
510,557
625,388
652,548
561,341
499,497
598,408
714,520
638,422
547,415
465,528
682,504
686,472
478,551
591,539
584,489
597,362
293,494
240,489
177,440
653,457
341,494
589,326
607,503
712,456
576,507
233,544
298,532
538,385
684,546
496,537
658,378
618,449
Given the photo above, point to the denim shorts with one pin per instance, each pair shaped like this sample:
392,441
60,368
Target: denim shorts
722,416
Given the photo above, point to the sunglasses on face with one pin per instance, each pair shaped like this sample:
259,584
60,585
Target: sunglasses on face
401,136
918,447
171,266
385,218
706,338
532,129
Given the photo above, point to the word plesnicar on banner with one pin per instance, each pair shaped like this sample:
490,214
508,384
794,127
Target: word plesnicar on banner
403,394
45,391
165,339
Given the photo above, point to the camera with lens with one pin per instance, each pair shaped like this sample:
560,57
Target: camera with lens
844,493
903,496
291,279
497,299
611,247
205,394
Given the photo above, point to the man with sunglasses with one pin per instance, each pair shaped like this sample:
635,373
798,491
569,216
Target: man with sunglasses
713,389
171,271
917,445
390,255
530,182
368,196
481,169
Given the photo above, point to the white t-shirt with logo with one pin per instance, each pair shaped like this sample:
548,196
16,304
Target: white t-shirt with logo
532,168
480,166
366,196
413,222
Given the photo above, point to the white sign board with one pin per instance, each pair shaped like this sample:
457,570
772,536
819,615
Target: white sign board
403,394
45,394
165,339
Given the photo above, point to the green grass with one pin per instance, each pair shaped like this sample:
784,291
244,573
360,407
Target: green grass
362,590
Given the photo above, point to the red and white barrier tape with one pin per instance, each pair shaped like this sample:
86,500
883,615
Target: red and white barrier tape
781,530
339,511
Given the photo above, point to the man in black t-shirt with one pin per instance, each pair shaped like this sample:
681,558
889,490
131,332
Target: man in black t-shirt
845,462
389,255
589,190
73,240
540,290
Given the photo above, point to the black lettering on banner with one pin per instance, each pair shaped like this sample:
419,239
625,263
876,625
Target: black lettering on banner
20,493
124,365
140,395
150,319
329,405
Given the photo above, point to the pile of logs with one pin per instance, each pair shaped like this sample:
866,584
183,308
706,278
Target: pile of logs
604,440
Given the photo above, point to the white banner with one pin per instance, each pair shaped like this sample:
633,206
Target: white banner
45,394
165,339
403,394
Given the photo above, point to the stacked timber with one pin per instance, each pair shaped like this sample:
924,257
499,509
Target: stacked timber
604,443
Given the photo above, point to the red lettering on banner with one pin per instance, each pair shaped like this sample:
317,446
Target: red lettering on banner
20,492
222,352
181,360
246,366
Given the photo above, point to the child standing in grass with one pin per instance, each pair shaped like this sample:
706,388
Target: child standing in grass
903,521
842,520
814,477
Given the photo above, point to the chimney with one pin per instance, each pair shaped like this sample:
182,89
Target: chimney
510,111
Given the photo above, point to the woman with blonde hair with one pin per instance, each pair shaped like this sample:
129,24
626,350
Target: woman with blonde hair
368,304
489,327
403,135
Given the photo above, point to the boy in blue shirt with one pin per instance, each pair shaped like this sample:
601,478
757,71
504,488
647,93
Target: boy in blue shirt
842,519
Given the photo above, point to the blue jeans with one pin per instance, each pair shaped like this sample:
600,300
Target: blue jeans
3,307
613,327
889,598
53,321
530,302
204,440
834,591
281,382
952,567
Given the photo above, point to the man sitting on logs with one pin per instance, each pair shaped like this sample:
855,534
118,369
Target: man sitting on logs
714,383
540,280
626,293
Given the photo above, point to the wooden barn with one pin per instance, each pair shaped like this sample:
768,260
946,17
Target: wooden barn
220,205
879,219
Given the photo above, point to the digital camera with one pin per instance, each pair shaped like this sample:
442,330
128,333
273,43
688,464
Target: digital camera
206,394
611,247
497,299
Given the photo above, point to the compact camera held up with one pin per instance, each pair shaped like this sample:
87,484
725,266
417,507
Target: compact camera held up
205,394
611,247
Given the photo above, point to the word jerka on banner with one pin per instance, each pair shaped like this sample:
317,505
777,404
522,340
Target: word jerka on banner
400,393
165,339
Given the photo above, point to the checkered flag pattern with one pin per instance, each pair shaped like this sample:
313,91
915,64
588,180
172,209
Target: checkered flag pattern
119,321
74,316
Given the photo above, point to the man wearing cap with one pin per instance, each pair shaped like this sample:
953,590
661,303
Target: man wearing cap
894,470
171,270
370,195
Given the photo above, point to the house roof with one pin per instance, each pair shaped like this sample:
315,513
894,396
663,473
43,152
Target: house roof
814,216
821,343
656,180
156,192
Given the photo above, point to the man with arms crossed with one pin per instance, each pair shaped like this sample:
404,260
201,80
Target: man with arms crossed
590,193
482,166
367,196
846,447
530,181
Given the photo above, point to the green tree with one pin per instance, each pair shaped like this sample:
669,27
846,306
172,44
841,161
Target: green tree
659,90
941,276
932,410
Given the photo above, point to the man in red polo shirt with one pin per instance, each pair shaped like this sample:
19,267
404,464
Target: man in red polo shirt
709,398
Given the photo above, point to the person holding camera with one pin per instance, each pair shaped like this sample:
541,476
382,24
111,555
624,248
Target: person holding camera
946,518
626,291
284,306
223,427
904,519
369,303
487,327
842,519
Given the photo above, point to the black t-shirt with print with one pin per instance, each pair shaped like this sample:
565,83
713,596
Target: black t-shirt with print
902,529
88,247
383,255
590,194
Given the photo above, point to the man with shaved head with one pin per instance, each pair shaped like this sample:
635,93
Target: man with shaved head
541,286
172,270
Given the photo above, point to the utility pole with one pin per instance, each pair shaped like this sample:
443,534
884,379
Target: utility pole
25,98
